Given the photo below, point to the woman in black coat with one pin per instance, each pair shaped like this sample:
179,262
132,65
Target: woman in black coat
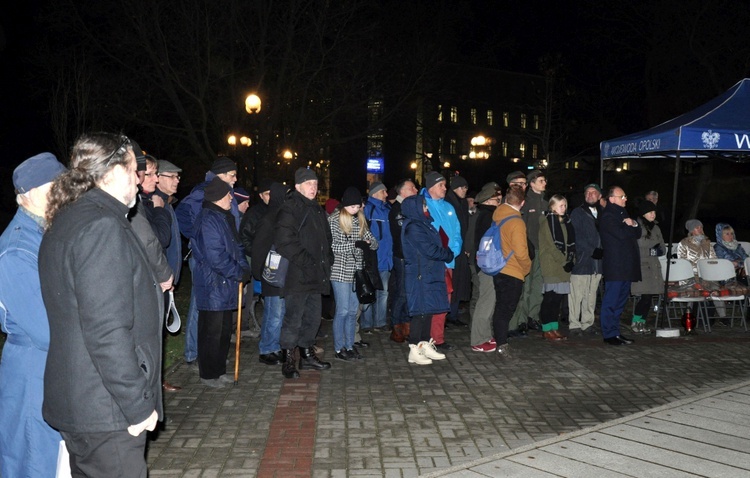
424,278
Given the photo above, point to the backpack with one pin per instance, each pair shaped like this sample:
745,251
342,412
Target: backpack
490,258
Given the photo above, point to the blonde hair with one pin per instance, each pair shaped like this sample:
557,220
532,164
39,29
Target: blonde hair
347,223
555,200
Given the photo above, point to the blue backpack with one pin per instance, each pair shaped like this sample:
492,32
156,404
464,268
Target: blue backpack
490,259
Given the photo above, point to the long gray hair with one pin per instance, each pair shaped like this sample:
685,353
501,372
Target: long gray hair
92,157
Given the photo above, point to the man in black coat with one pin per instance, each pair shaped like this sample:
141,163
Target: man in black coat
103,376
304,238
461,273
621,263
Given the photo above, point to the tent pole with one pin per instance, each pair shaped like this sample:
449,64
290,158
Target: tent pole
671,230
601,171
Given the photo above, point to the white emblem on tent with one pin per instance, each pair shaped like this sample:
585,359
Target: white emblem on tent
710,139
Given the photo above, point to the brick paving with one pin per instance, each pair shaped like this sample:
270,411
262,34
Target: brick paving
384,417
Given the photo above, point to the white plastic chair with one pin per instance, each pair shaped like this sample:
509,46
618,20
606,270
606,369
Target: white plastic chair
745,245
719,270
679,270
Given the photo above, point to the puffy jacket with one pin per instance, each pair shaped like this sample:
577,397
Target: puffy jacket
304,237
376,213
622,260
190,206
443,215
219,258
513,238
425,258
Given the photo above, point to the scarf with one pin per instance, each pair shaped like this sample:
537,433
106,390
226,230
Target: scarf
556,224
648,226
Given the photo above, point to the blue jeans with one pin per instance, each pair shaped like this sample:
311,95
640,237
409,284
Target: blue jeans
191,327
374,314
270,329
616,294
345,319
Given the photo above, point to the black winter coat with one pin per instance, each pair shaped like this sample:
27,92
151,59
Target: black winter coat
104,364
265,237
622,260
304,237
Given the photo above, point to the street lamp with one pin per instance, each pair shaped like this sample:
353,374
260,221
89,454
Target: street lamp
252,104
287,154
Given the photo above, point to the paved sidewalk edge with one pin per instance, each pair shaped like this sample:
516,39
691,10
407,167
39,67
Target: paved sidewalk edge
583,431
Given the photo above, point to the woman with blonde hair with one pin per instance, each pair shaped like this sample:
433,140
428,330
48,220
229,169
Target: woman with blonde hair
350,237
556,258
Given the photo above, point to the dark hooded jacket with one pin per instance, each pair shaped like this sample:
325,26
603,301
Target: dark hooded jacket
425,259
265,237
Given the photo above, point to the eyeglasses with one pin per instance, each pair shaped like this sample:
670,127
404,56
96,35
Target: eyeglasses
170,176
125,142
623,197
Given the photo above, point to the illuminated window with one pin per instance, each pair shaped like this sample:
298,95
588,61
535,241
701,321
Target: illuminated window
522,149
523,120
536,121
567,165
490,118
440,113
506,119
452,149
575,164
473,116
454,114
534,151
504,147
625,166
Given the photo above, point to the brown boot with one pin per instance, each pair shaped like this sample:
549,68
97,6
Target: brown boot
397,334
405,327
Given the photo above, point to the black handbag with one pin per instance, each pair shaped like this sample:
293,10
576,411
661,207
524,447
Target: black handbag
363,287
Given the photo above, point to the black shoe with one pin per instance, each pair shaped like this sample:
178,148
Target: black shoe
346,355
590,331
532,324
356,354
445,347
575,332
269,359
309,361
457,323
618,340
362,344
523,330
366,331
289,368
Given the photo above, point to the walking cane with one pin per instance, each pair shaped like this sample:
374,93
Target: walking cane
237,342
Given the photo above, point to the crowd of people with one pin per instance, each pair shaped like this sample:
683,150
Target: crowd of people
90,258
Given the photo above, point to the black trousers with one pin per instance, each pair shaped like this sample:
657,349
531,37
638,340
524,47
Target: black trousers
301,320
507,293
107,454
644,305
420,329
550,310
214,335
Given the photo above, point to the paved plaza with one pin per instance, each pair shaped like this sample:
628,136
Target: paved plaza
577,408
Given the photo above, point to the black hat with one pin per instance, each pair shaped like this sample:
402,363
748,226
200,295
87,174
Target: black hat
458,182
646,207
432,178
140,156
223,165
304,174
216,190
351,197
264,185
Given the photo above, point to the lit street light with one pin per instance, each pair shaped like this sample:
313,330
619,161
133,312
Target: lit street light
252,106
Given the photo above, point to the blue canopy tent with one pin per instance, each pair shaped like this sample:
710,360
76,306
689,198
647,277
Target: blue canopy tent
718,129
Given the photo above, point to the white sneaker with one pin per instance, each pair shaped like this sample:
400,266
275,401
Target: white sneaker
417,356
430,351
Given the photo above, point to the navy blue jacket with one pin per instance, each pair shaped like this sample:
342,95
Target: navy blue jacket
586,227
220,260
425,259
622,258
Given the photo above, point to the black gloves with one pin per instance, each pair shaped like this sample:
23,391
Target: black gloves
598,253
362,244
568,267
